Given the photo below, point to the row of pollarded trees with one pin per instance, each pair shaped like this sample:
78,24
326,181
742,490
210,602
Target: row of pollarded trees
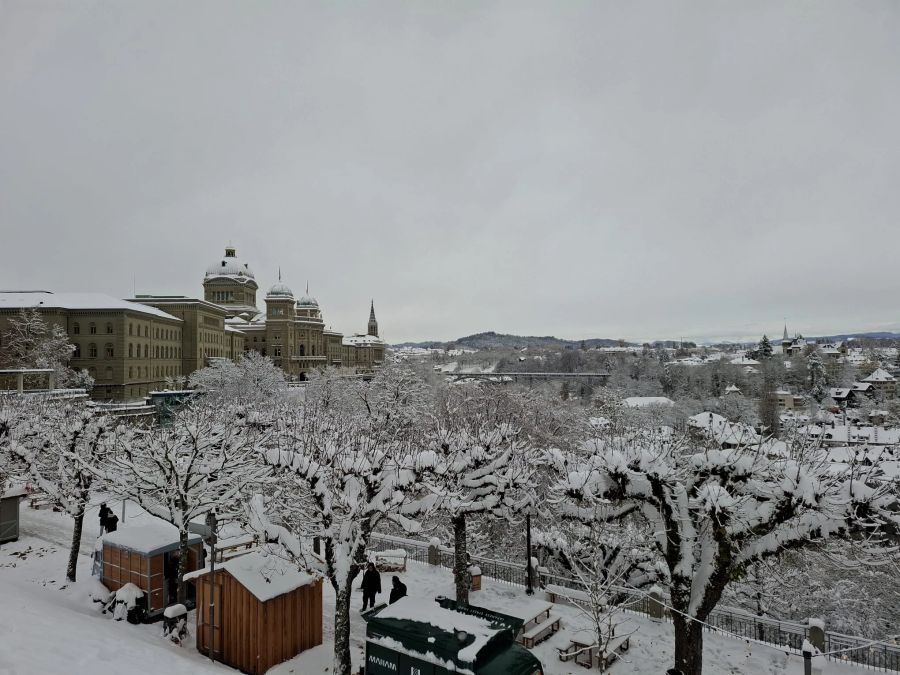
350,457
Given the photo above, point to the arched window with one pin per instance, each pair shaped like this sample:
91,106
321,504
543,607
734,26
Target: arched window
130,350
109,328
109,350
76,328
146,351
131,329
157,351
92,328
76,352
92,350
108,375
130,373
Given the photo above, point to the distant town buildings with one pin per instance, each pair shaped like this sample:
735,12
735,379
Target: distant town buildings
134,346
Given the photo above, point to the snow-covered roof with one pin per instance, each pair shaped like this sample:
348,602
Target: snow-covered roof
839,392
732,389
75,301
361,340
229,266
880,375
280,290
722,430
307,301
744,361
644,401
265,576
150,538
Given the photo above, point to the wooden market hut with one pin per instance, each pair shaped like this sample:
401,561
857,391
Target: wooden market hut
9,513
146,556
266,612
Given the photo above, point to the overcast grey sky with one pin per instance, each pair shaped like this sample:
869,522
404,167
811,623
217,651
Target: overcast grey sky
584,169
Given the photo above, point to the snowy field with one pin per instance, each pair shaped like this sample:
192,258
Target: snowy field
48,628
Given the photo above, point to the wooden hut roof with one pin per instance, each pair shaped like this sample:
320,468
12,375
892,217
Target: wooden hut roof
151,538
265,576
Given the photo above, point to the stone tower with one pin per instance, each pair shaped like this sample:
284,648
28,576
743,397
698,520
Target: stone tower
373,322
230,282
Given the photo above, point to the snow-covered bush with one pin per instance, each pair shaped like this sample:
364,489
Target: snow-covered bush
251,380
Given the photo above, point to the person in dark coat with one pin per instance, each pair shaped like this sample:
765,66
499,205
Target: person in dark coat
105,513
398,590
112,522
371,586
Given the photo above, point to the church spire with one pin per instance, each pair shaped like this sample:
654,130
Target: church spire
373,322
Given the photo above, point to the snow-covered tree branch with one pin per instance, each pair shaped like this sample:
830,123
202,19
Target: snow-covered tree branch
715,512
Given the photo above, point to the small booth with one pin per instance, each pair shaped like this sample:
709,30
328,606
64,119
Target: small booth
266,611
9,513
147,556
412,636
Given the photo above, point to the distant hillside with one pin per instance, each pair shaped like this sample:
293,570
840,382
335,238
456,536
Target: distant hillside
492,340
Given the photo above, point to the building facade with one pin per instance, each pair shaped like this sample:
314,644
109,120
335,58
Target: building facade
289,330
135,346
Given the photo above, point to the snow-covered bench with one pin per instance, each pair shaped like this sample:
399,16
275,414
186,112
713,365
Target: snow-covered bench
561,593
541,631
393,560
586,653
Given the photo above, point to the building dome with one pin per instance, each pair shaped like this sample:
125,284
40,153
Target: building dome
280,290
307,301
229,266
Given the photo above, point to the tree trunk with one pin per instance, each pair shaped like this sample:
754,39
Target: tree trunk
460,560
72,569
342,662
688,645
182,565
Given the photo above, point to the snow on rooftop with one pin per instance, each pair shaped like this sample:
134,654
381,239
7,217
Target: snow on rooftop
645,401
149,538
361,340
72,301
265,576
880,375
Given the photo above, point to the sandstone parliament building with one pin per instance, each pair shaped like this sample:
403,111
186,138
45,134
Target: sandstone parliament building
134,346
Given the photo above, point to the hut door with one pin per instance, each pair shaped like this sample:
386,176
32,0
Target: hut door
206,630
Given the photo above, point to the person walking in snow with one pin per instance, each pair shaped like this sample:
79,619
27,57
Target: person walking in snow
371,586
398,590
105,513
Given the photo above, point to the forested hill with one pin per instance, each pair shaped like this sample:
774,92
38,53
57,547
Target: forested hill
492,340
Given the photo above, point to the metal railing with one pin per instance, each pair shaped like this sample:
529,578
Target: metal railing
782,634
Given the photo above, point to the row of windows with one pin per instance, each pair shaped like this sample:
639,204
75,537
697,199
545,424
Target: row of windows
161,333
158,371
92,328
109,352
159,351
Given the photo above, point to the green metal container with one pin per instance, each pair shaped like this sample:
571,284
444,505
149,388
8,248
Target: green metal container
412,637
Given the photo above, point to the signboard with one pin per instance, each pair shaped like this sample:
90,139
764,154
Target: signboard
383,661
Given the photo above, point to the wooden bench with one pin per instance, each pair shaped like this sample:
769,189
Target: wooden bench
563,594
541,631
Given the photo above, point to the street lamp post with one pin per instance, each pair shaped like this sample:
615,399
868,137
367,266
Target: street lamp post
212,525
529,588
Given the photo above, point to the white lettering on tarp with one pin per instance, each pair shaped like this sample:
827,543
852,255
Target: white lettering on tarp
382,663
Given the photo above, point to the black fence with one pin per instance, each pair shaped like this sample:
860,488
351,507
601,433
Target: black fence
782,634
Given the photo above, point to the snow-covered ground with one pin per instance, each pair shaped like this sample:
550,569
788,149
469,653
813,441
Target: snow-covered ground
47,627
